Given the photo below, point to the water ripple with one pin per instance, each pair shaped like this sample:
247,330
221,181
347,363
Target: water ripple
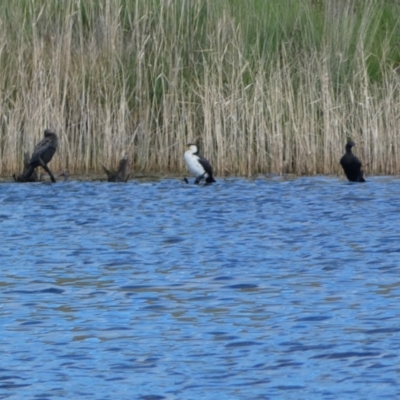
250,289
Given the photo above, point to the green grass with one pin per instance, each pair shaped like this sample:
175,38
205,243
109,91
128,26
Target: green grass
267,86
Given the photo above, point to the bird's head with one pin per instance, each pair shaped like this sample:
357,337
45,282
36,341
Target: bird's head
49,134
350,144
192,148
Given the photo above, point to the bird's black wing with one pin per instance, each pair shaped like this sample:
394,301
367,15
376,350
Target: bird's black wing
357,162
206,165
42,145
44,150
350,161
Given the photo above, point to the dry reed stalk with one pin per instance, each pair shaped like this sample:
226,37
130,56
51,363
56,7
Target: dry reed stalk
143,78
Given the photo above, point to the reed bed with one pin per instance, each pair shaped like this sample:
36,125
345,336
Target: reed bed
265,86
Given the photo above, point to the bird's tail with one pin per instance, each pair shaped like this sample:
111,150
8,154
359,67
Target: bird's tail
27,175
210,179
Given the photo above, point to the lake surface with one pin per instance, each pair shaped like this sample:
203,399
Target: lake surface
245,289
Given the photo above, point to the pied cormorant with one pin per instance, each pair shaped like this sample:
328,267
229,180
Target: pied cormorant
197,165
351,164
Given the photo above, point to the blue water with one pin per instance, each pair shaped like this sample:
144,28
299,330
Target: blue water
246,289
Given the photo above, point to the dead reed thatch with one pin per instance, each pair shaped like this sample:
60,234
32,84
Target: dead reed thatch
267,87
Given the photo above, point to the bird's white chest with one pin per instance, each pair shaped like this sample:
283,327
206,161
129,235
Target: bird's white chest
193,165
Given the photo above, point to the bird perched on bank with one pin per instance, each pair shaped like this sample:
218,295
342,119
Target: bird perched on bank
351,164
42,155
198,165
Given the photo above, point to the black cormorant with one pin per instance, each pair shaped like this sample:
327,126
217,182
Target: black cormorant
43,154
351,164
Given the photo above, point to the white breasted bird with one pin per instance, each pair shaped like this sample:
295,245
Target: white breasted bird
197,165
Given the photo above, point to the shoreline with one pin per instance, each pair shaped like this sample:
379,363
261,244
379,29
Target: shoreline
155,177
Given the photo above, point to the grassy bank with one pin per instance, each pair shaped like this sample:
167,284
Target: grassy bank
267,86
